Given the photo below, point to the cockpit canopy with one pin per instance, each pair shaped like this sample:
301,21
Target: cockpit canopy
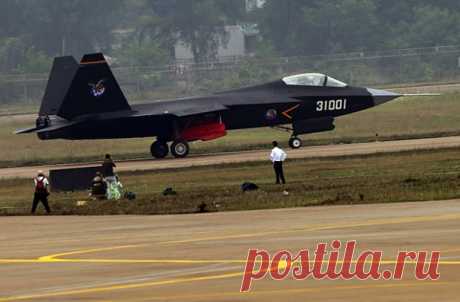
313,79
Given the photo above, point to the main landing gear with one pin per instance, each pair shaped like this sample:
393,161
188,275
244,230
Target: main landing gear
179,149
295,142
159,149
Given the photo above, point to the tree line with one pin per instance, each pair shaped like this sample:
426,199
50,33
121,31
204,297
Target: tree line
144,32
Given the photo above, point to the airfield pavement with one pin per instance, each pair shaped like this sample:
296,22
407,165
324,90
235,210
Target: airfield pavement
201,257
251,156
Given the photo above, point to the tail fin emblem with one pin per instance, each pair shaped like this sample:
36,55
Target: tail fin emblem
97,89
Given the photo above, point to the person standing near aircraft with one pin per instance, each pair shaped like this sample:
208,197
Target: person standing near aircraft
107,168
41,193
278,156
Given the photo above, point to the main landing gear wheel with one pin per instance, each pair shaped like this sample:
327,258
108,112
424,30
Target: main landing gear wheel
180,149
159,149
295,142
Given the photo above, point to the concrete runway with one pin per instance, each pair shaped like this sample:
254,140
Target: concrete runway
201,257
248,156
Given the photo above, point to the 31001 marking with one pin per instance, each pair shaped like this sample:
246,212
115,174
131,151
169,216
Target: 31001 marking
331,105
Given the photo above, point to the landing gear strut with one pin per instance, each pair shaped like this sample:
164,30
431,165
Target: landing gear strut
295,142
180,148
159,149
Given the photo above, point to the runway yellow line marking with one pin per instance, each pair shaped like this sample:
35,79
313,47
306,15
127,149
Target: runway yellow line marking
141,261
50,259
179,261
18,261
57,257
79,252
205,296
122,261
319,228
119,287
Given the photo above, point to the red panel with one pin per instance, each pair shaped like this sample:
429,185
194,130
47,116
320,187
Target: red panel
205,132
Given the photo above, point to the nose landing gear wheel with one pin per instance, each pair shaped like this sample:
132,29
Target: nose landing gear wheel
295,142
180,149
159,149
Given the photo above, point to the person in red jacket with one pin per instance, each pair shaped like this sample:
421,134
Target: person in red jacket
41,192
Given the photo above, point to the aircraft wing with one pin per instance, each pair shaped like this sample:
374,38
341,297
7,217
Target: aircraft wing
187,111
179,109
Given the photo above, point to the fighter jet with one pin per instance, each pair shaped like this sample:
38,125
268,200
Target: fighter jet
84,101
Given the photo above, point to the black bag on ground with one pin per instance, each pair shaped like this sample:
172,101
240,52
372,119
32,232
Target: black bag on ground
130,195
249,186
169,191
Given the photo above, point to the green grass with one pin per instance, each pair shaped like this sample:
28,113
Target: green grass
410,176
404,118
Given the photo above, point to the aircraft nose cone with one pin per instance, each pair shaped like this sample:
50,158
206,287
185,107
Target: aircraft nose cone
382,96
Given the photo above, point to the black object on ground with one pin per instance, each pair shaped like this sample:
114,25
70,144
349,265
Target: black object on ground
203,208
130,195
73,179
249,186
169,191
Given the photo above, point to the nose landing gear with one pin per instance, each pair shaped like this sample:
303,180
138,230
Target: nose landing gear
295,142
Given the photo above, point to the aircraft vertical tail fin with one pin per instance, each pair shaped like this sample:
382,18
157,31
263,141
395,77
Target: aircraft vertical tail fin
59,81
81,89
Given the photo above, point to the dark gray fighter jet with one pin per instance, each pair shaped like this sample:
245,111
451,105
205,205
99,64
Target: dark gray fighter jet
84,101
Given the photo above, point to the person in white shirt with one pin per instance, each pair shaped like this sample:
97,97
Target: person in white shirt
277,156
41,193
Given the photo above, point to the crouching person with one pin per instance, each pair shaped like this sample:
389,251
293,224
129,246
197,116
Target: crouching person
41,192
98,187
